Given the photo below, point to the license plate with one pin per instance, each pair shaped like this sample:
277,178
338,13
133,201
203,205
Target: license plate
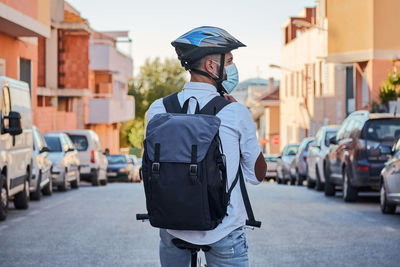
85,169
113,174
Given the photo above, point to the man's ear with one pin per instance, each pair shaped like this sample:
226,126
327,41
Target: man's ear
209,66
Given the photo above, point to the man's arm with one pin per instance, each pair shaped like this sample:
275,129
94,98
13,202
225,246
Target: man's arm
260,168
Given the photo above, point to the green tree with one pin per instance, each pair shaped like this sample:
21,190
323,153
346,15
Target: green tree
390,88
155,80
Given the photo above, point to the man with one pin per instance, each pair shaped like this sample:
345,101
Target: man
206,53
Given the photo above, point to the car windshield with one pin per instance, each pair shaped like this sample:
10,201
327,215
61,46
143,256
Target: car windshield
80,142
291,150
116,159
328,136
382,130
54,144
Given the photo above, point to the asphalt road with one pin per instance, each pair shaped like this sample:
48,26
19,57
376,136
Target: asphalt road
96,226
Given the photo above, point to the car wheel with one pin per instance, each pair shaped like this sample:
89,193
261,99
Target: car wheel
75,183
64,185
310,183
318,184
329,188
48,189
299,179
386,207
95,178
37,194
349,192
292,180
21,200
3,198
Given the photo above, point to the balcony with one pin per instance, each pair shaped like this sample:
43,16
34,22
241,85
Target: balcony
106,57
110,110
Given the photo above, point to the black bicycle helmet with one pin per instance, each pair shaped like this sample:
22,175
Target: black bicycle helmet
203,41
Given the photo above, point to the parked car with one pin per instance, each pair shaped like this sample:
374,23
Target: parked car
316,155
390,182
65,161
41,175
119,168
358,152
284,162
93,162
271,160
136,167
299,164
16,144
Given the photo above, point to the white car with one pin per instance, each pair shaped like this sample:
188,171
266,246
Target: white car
93,163
65,161
271,160
41,166
136,167
316,155
16,144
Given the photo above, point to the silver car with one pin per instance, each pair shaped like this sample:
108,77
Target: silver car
299,165
41,177
271,160
284,162
390,182
316,155
65,161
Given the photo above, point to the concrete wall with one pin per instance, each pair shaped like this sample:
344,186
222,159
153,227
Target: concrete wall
347,19
51,119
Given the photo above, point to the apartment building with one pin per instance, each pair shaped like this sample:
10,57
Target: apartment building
110,103
63,71
22,24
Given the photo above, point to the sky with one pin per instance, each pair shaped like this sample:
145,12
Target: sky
153,25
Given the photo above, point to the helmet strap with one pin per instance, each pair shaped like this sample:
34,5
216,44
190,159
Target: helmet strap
221,90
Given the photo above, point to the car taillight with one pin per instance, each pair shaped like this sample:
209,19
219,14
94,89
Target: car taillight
92,157
362,168
305,159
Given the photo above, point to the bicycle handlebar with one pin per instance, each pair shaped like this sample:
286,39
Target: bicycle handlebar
142,217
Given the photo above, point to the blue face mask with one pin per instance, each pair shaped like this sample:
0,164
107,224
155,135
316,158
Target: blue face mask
232,78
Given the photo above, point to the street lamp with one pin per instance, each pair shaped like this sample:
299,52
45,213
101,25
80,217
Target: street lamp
273,66
306,24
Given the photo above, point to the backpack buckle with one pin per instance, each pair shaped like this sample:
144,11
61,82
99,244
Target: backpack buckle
155,167
193,169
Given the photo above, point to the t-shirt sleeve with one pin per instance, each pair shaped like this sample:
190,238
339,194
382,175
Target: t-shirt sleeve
249,147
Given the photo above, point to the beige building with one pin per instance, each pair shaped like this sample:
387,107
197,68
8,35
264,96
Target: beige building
263,103
310,85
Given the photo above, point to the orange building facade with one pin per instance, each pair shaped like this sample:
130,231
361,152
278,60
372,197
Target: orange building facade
22,24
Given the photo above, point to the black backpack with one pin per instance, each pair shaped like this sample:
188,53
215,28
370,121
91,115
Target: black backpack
184,170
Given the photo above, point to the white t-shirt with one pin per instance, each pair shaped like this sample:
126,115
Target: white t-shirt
237,129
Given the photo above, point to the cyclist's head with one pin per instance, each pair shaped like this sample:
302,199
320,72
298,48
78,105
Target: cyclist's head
206,51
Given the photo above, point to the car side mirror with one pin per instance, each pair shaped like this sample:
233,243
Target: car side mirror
332,140
44,149
14,122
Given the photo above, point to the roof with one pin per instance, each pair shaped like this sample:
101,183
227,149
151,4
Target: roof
271,95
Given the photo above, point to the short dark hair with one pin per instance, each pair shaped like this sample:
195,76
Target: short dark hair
198,63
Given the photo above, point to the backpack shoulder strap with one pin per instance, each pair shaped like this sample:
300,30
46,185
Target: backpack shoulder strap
171,103
215,105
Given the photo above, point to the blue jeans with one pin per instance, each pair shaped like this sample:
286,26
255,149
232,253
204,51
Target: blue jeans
230,251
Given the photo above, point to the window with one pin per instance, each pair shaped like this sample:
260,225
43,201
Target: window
291,150
5,105
54,143
25,71
80,142
116,159
329,135
382,130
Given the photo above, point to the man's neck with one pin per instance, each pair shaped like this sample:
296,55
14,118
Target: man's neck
202,79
